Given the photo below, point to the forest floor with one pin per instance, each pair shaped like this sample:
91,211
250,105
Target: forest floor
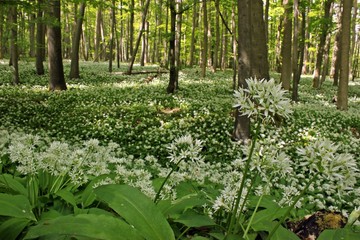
135,112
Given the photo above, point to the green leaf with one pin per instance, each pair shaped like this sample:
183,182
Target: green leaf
15,206
88,196
11,228
85,225
13,183
173,209
193,219
339,234
137,209
264,217
283,233
67,196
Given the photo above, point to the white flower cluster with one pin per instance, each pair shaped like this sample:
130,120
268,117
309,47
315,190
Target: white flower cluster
262,99
338,173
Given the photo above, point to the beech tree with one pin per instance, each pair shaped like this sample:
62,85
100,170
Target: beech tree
342,95
56,69
252,56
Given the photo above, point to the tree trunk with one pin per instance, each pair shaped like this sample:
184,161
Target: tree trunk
217,37
1,31
286,68
139,37
74,68
32,18
40,40
56,70
321,46
144,45
178,34
193,34
342,96
98,35
112,34
325,67
14,44
335,62
131,29
295,64
242,122
205,41
172,58
234,46
353,39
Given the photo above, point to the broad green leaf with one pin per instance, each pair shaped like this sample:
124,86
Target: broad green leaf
13,183
283,233
199,238
88,196
11,228
85,226
193,219
67,196
137,209
339,234
264,217
266,202
15,206
173,209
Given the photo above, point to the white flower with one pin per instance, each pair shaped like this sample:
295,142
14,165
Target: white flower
262,99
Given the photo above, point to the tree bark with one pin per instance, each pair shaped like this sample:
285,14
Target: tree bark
74,68
321,46
286,53
112,34
172,58
335,62
139,37
353,39
32,18
98,35
342,96
56,70
205,41
14,44
217,37
1,32
131,29
40,39
295,64
193,34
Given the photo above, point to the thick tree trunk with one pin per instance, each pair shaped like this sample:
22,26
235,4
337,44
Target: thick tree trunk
56,70
242,122
321,45
40,40
205,41
14,44
74,68
286,53
342,96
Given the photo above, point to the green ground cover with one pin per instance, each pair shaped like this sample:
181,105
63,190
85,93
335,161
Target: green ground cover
113,128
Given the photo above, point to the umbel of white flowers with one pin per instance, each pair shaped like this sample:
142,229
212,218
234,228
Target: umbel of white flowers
262,99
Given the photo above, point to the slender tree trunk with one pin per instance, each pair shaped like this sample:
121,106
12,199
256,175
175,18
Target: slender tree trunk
85,44
234,46
98,35
112,34
131,28
325,67
193,34
278,48
40,40
335,62
56,70
342,96
1,32
353,38
178,35
74,68
266,18
166,56
295,65
172,58
14,44
139,37
32,18
321,45
305,68
217,37
205,41
286,53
